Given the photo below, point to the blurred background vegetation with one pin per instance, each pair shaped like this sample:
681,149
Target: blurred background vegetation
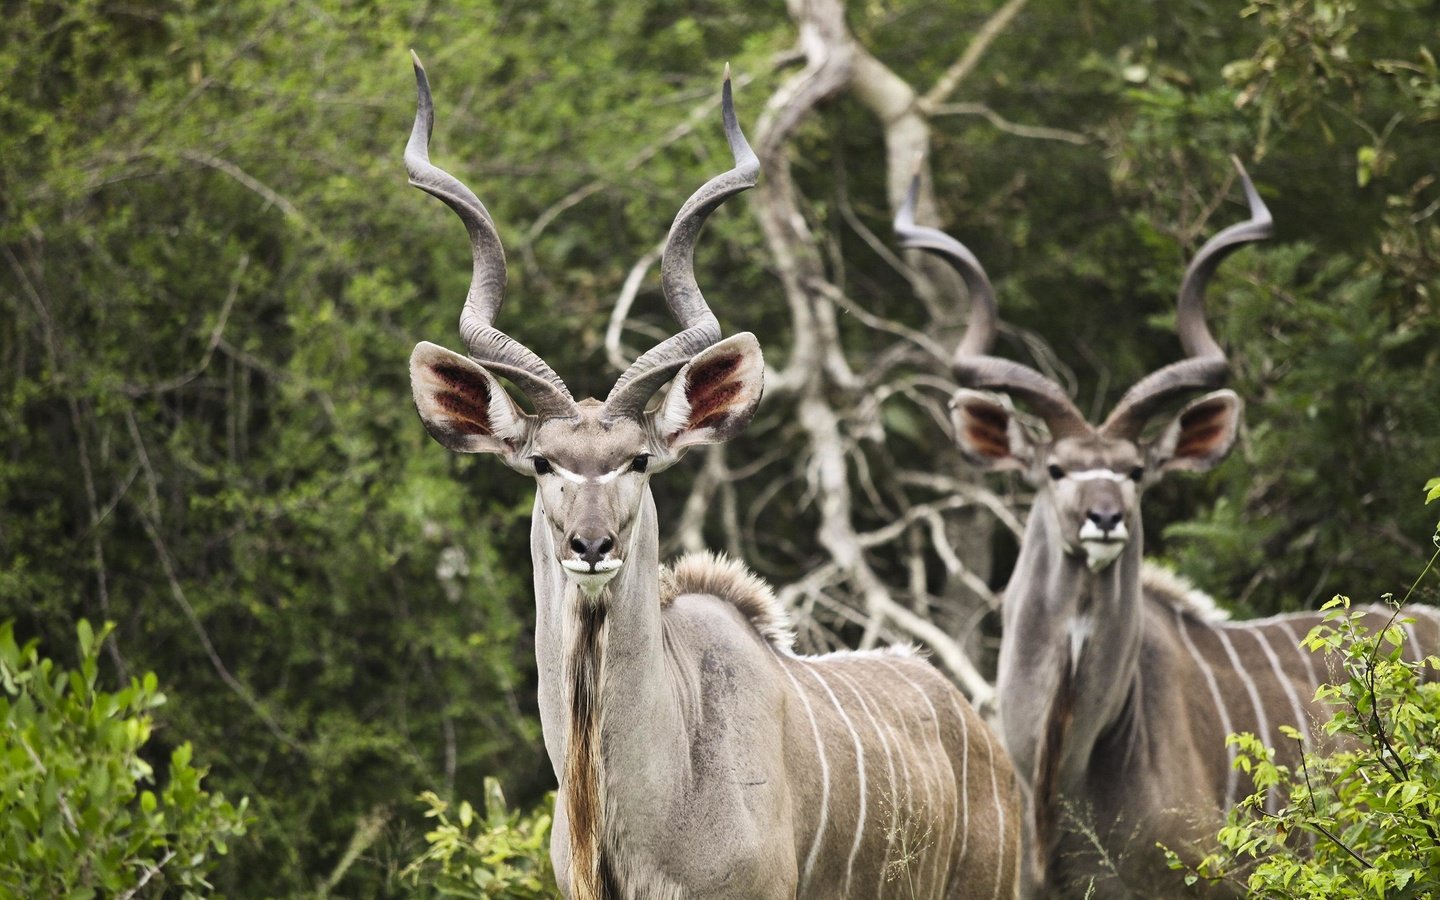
212,272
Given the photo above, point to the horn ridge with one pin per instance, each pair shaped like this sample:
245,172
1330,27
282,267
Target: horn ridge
1205,367
971,364
699,327
487,345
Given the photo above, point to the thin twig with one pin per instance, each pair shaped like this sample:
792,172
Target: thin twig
216,334
959,70
178,592
150,872
1037,132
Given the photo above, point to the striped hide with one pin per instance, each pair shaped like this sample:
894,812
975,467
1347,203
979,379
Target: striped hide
1200,677
1257,676
725,765
697,756
910,794
1117,685
1117,689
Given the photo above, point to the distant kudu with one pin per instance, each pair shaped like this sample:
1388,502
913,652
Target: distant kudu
1117,682
697,756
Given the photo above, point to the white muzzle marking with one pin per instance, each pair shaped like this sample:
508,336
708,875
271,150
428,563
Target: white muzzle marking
1102,547
591,580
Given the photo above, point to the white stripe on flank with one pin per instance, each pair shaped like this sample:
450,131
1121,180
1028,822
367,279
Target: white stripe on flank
860,767
999,814
963,826
1304,654
1232,776
1262,730
1411,640
824,778
890,767
908,747
1283,677
940,859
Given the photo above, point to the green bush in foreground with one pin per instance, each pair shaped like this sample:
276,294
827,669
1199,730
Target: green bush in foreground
504,854
1364,820
81,812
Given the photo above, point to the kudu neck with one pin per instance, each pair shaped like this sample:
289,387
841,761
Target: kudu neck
1069,658
629,686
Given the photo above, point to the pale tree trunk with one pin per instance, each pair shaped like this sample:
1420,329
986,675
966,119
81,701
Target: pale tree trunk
904,555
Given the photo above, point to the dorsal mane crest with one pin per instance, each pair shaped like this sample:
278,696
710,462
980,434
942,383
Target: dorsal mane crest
1174,590
720,576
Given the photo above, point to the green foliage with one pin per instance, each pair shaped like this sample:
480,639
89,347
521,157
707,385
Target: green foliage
1333,329
82,813
212,272
1362,820
503,853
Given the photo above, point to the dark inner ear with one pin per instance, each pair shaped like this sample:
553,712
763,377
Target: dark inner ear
986,429
710,390
465,399
1200,429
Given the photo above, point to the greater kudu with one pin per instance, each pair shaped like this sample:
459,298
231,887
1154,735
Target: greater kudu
697,756
1117,682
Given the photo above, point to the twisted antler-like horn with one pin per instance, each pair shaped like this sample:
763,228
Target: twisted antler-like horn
972,364
699,327
1206,367
488,346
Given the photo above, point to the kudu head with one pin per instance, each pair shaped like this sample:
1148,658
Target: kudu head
591,459
1090,477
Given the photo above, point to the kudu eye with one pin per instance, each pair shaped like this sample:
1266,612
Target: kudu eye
1056,472
542,465
640,463
1137,473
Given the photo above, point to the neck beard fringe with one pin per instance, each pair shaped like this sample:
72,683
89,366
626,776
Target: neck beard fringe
591,875
1047,783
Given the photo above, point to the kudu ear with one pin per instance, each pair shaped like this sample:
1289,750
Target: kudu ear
714,397
462,405
1200,436
987,433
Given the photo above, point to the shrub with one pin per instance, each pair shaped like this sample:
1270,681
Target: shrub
504,854
1363,820
81,812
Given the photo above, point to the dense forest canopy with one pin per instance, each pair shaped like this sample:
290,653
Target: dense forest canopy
213,272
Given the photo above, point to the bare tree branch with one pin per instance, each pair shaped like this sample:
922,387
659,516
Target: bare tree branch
959,70
1039,132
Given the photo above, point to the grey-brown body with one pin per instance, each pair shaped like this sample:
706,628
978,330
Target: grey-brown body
696,755
729,767
1116,688
1123,746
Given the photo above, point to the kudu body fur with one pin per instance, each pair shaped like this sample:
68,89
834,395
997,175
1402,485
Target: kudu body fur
1118,684
697,756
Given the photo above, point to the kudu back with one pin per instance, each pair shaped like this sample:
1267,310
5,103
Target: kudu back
697,755
1118,683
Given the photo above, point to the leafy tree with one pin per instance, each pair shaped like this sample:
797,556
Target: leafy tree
212,272
211,275
83,812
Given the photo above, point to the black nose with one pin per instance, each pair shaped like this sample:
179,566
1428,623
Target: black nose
1106,517
592,549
